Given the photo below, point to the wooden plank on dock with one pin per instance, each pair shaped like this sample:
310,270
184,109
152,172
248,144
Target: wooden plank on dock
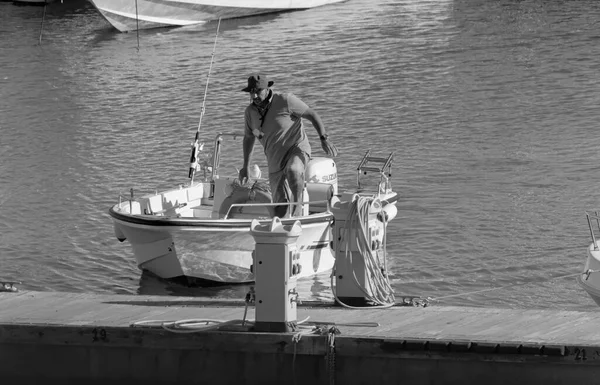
402,322
409,344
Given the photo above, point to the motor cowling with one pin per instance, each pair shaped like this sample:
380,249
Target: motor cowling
322,170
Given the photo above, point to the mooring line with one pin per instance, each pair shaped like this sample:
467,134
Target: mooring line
137,25
503,287
43,17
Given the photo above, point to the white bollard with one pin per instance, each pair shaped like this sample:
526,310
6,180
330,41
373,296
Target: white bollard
275,266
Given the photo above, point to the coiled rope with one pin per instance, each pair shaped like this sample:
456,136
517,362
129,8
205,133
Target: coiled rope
378,289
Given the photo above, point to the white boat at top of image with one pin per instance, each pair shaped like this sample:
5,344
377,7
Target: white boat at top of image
32,2
201,231
131,15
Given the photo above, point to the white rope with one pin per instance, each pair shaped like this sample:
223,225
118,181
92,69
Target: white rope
506,286
191,325
378,288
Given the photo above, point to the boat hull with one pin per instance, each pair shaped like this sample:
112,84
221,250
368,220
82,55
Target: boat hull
589,280
201,231
131,15
218,251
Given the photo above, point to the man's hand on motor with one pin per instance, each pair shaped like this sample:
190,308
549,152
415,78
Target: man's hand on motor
329,148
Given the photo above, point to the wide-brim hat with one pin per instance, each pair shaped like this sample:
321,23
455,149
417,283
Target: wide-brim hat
258,81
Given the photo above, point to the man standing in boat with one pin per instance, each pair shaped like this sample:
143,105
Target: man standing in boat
276,120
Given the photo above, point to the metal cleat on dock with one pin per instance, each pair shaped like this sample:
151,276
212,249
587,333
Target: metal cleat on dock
413,301
9,286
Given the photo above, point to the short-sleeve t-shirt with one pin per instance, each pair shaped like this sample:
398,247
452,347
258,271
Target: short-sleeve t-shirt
281,128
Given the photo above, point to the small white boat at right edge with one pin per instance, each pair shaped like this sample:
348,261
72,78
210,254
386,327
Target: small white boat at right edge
589,279
132,15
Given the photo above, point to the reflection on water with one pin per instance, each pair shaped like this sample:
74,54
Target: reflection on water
149,284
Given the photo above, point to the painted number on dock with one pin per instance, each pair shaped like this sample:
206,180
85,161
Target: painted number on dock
99,335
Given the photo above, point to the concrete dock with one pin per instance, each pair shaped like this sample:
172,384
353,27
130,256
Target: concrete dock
72,338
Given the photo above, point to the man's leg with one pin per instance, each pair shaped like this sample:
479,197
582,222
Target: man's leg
279,192
294,177
288,185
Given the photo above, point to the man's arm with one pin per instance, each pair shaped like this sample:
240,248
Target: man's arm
312,116
248,148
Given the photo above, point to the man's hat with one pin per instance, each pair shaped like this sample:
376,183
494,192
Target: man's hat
257,82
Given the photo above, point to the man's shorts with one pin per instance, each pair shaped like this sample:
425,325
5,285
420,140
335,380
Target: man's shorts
280,185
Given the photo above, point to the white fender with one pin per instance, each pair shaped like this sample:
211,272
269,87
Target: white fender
388,212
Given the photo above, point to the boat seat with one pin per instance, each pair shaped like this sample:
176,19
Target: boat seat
202,211
197,192
154,204
174,199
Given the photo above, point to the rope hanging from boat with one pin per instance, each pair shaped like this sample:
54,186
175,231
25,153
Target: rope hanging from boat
137,25
43,17
379,290
196,143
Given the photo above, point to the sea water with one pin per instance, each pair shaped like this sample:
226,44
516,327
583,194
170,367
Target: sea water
490,108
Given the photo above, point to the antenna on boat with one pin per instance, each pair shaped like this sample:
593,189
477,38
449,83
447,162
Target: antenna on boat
196,144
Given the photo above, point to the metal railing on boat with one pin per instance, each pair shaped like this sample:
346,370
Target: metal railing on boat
589,217
383,168
288,204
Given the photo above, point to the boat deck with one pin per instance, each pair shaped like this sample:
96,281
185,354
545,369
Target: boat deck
439,340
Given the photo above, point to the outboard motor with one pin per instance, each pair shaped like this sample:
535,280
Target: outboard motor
321,182
322,171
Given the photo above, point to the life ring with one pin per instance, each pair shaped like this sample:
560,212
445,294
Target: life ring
245,194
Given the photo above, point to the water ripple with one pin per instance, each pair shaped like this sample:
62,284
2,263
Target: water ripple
490,108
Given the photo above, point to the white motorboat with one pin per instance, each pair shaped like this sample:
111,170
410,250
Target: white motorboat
201,231
131,15
589,279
